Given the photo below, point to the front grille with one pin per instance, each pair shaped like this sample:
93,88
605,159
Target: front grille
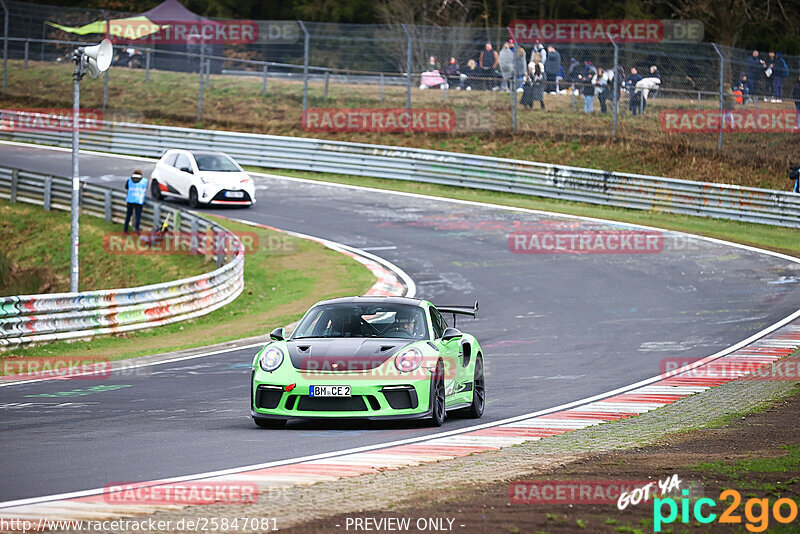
331,404
268,397
221,196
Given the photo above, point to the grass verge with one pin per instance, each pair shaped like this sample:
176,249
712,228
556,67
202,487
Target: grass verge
773,238
281,283
561,134
35,255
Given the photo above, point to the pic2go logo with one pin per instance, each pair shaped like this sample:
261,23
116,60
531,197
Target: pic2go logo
701,510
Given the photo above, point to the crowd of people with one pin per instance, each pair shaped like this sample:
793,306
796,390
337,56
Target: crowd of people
541,72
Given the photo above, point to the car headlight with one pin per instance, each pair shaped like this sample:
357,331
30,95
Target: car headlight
270,359
408,360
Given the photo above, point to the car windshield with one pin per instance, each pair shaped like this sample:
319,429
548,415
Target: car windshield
404,321
215,163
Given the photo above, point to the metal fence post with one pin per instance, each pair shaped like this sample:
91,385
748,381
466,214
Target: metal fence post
327,81
446,86
44,36
27,49
408,69
105,89
380,91
14,186
264,84
107,205
208,71
306,40
200,90
721,96
513,96
5,42
147,66
48,192
615,102
699,98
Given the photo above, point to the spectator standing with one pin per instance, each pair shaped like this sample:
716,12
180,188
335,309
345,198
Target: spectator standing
796,97
538,48
588,94
601,88
755,68
533,89
488,63
780,72
552,64
769,72
452,73
573,73
137,188
506,60
519,66
630,85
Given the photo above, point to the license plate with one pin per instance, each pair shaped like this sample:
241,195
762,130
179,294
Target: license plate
329,391
234,194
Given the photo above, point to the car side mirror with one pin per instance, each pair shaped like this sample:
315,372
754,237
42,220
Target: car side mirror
186,169
451,333
277,335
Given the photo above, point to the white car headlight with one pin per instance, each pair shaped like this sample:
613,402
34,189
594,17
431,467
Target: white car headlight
408,360
270,359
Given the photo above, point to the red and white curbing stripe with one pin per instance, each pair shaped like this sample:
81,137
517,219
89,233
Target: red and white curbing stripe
686,381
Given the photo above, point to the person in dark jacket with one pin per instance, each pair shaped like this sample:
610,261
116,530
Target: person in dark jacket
796,97
630,85
137,188
552,64
488,63
452,73
588,94
781,71
573,72
769,73
533,87
755,69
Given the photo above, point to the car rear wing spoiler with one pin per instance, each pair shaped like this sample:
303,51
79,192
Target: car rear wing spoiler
472,311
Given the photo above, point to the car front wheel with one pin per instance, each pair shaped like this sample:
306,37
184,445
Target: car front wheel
193,200
438,411
155,189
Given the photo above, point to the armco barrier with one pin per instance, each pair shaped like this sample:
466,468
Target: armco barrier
635,191
43,318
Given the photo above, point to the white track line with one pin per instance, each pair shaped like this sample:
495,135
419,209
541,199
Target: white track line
754,337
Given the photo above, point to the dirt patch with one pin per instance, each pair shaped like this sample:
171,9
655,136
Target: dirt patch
745,455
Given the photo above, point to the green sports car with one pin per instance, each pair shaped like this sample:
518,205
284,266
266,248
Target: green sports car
373,358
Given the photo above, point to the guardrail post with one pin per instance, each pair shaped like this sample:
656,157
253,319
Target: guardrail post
48,191
27,49
408,69
195,238
220,242
147,65
305,64
327,81
107,205
264,84
176,225
156,216
14,185
380,91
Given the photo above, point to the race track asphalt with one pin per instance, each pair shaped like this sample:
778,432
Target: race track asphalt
554,327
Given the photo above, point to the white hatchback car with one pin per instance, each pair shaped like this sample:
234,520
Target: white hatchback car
202,177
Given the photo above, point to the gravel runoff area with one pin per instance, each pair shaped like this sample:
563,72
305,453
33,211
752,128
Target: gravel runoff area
322,506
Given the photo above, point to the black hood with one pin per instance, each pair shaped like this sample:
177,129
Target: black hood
343,354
